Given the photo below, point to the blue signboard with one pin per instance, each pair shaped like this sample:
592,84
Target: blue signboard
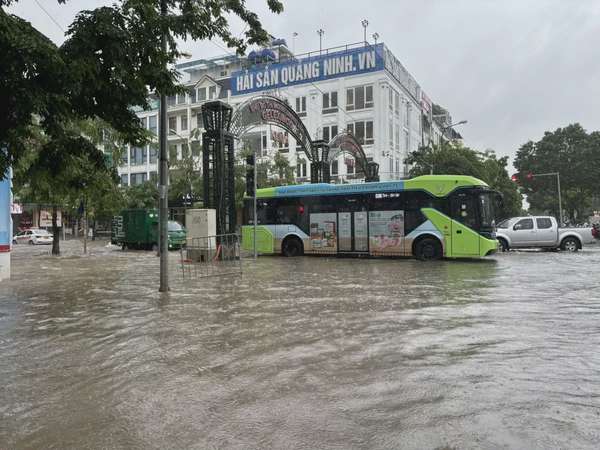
5,219
308,70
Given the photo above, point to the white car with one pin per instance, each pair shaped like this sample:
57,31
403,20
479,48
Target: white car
33,236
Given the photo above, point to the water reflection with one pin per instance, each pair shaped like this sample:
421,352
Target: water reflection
305,352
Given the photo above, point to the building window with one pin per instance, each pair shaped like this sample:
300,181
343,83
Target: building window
397,165
359,97
407,115
124,180
391,132
397,104
264,144
391,99
138,178
192,94
212,92
301,106
144,122
223,73
330,102
397,136
329,132
154,176
153,155
281,141
301,169
201,94
349,162
171,100
406,140
138,156
363,131
152,124
184,123
173,125
181,99
334,167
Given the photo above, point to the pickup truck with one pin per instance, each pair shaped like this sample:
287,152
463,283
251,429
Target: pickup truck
541,232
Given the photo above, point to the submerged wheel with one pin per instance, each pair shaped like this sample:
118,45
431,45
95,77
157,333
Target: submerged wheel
570,244
428,249
503,244
292,246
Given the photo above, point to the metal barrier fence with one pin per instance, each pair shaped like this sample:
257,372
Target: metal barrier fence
211,256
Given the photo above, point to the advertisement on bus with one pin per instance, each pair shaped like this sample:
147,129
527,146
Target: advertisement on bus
386,232
323,233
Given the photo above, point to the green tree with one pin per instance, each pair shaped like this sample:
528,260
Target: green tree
111,61
460,160
573,153
143,195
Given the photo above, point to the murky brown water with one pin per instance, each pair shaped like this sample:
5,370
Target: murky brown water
302,353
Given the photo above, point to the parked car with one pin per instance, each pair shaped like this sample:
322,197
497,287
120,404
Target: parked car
33,236
541,232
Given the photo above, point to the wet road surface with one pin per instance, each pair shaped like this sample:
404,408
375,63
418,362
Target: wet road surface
301,353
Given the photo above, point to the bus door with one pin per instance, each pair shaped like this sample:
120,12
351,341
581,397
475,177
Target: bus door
465,223
353,232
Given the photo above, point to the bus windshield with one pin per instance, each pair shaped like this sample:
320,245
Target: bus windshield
486,209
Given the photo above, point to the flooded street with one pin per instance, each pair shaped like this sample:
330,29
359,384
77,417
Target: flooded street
301,353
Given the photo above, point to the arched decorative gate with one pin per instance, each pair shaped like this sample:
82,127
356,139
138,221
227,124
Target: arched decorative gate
267,109
346,142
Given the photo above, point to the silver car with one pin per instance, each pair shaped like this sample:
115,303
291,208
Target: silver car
541,232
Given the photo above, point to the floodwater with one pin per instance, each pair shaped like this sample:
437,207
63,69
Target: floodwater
301,353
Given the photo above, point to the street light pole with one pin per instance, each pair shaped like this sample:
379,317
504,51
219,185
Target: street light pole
365,24
441,144
163,174
552,174
320,32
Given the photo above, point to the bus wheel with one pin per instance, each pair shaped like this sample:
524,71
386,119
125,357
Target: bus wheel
292,246
428,249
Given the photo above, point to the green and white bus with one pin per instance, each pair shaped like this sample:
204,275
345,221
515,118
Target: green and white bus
428,217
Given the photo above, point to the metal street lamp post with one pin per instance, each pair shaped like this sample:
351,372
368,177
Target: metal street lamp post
441,144
552,174
320,32
375,37
365,24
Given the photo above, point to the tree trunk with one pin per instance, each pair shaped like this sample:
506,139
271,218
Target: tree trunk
55,234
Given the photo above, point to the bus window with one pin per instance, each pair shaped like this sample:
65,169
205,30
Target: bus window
463,209
287,211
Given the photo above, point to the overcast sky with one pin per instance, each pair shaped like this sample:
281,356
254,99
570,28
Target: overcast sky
512,68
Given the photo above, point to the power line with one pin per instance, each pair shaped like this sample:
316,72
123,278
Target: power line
50,15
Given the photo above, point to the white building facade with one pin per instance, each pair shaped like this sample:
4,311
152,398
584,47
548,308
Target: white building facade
360,88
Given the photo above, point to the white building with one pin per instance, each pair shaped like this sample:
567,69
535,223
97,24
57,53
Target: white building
361,88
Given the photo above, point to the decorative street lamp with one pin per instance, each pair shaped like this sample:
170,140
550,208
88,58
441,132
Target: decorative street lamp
375,37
